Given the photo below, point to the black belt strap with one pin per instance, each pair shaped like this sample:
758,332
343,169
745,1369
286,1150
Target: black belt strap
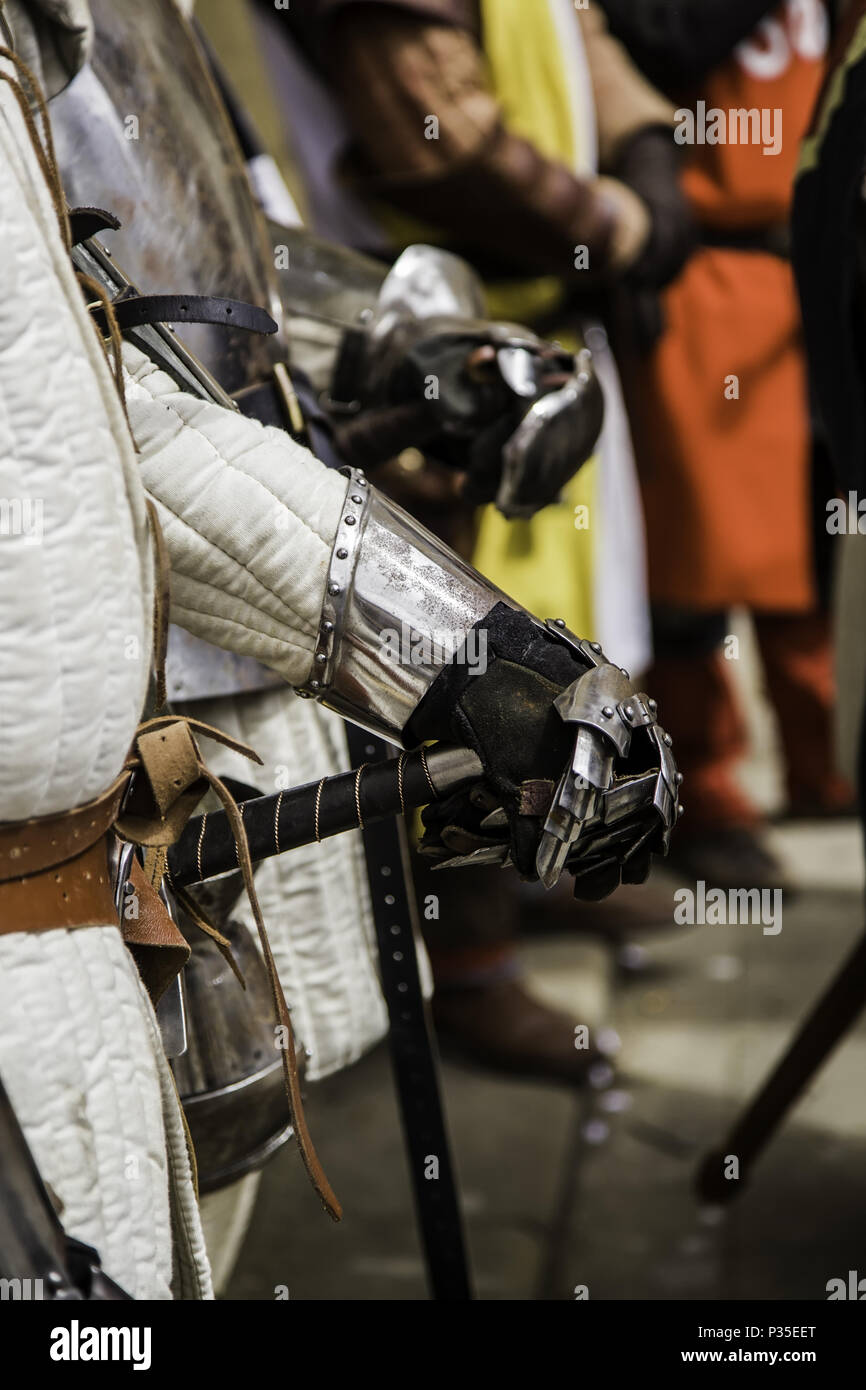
135,310
412,1048
774,240
87,222
263,402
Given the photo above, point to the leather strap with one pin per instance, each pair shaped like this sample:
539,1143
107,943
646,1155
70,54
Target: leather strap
157,944
262,402
772,240
28,848
267,402
135,310
413,1053
77,893
55,873
87,222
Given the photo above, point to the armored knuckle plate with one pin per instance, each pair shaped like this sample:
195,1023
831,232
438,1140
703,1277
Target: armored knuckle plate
668,782
556,436
398,606
607,711
603,700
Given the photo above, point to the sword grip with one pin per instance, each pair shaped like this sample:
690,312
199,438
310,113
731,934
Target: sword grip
300,815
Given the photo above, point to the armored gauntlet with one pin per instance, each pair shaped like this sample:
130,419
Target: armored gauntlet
417,646
423,366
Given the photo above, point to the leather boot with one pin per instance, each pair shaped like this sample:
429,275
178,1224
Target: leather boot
500,1025
730,856
633,911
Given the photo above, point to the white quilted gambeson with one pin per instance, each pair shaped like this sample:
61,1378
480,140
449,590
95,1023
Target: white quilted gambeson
248,515
74,563
79,1049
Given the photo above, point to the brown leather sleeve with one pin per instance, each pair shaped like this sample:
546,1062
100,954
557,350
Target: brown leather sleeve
490,189
624,101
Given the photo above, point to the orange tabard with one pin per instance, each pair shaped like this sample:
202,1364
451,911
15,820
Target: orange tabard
720,408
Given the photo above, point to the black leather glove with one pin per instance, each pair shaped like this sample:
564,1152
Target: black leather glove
517,415
650,165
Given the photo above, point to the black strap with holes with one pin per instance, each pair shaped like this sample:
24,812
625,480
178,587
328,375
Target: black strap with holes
413,1053
135,310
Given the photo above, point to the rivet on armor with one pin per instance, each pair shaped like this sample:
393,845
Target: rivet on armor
595,646
342,553
559,622
333,589
679,779
321,657
314,685
357,500
607,712
349,520
680,808
668,741
629,711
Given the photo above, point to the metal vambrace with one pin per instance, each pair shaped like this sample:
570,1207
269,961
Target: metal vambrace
398,605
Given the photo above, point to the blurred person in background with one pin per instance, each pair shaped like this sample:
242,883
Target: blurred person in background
482,125
716,381
829,255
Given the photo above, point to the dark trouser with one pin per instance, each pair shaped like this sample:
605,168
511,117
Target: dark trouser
469,918
697,704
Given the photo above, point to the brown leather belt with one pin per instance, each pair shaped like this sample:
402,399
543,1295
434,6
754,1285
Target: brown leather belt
68,883
54,870
772,240
77,893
